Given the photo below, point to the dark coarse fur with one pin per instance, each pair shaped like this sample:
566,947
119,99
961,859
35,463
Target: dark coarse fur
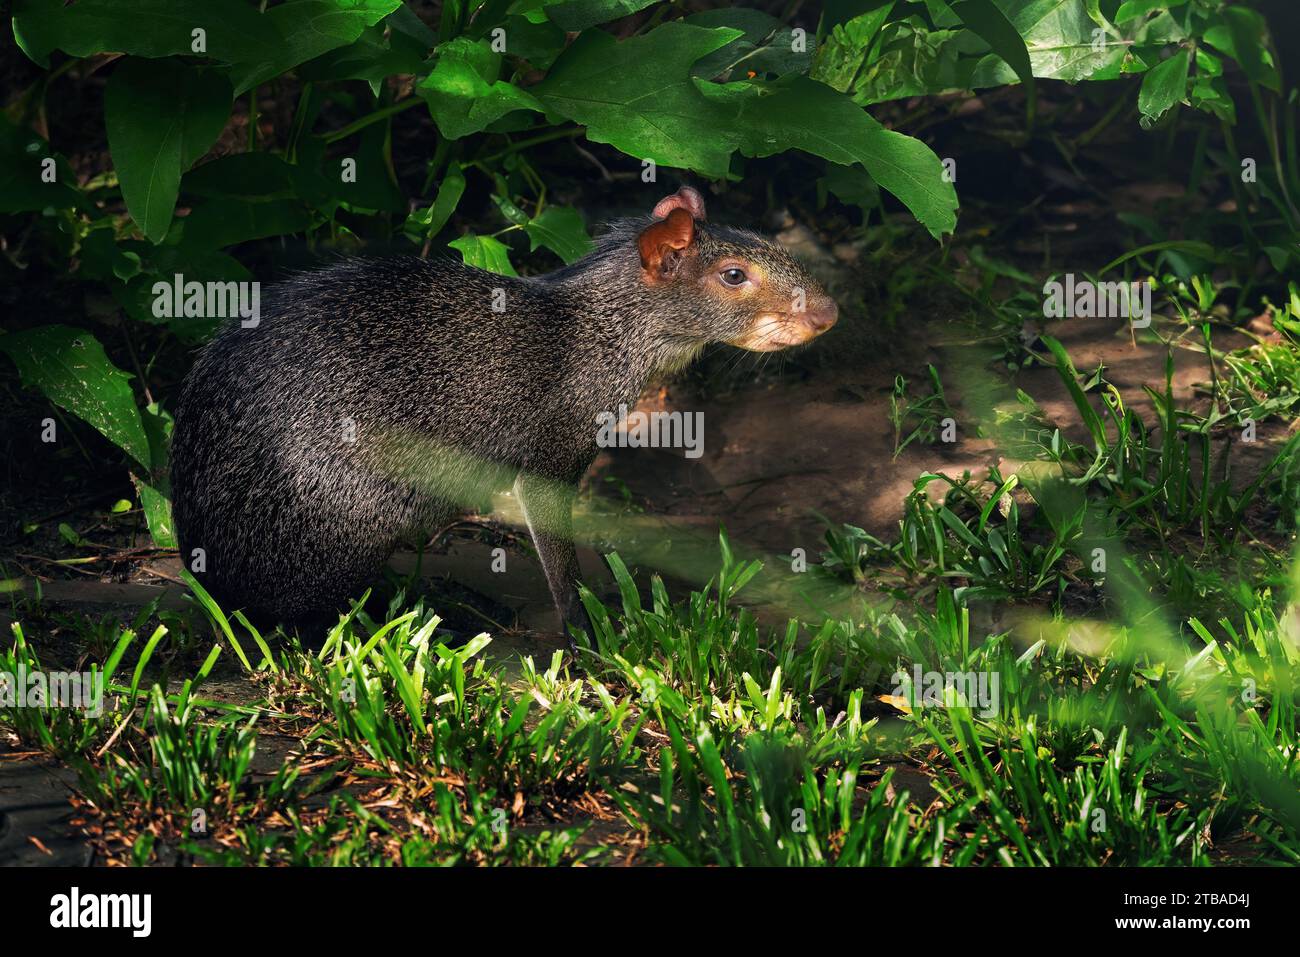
376,399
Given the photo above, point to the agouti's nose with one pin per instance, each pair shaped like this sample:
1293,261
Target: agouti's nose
822,316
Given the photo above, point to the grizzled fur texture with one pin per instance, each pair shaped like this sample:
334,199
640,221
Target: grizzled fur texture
377,399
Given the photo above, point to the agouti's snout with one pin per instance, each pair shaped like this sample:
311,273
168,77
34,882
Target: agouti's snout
772,330
822,317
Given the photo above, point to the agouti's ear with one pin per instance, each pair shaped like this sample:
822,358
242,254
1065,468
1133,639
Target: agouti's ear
661,244
685,198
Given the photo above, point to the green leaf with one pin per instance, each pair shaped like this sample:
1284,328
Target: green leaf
253,177
1210,93
138,296
513,214
161,117
427,223
405,20
157,509
224,222
155,493
561,230
1191,247
799,113
220,620
375,185
1070,377
22,164
1059,37
310,28
1163,86
69,366
851,184
852,50
537,43
992,26
875,59
233,31
1242,36
463,92
1131,9
577,15
638,95
377,53
484,252
103,258
766,45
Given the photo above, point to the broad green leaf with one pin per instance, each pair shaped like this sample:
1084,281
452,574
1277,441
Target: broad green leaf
851,184
69,366
1132,9
317,174
138,296
875,60
254,195
1242,36
491,14
224,222
577,15
843,57
252,177
537,43
638,96
1162,29
798,113
1163,86
1207,64
534,10
23,186
377,53
463,91
161,117
405,20
105,259
647,112
1062,44
309,28
560,229
484,252
992,26
917,62
837,12
766,46
232,30
374,185
1210,93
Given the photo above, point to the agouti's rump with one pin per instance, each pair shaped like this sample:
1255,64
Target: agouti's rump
374,400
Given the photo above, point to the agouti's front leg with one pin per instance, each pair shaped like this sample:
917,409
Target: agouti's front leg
548,509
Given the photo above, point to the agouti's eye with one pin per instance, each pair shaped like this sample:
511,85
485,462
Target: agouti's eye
734,276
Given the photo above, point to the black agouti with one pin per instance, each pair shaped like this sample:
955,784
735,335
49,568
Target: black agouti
376,399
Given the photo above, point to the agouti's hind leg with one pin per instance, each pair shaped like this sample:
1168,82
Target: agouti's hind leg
548,509
316,560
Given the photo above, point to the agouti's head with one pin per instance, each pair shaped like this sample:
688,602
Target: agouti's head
718,284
